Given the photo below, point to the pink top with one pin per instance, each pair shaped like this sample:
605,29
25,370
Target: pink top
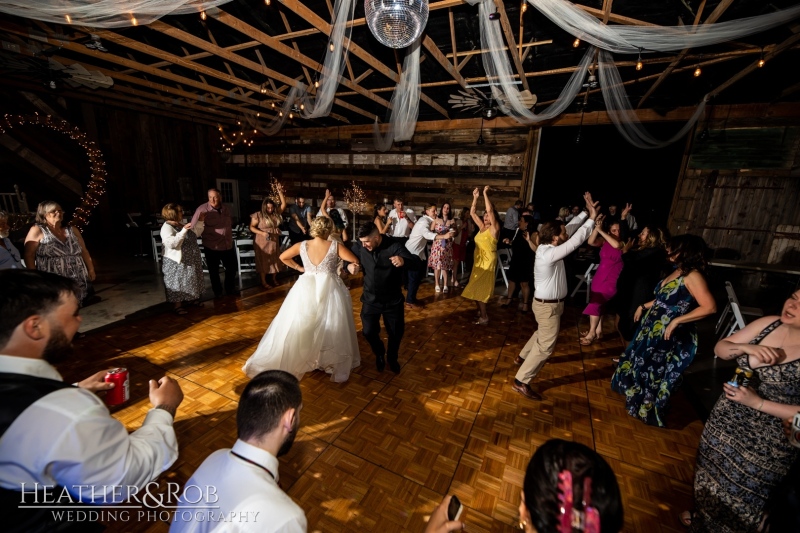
218,232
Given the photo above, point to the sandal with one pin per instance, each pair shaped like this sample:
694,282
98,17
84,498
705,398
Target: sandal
586,341
445,289
523,306
181,311
686,518
615,360
437,289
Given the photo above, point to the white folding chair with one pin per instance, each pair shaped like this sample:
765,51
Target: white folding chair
245,257
736,322
585,279
155,239
504,262
202,254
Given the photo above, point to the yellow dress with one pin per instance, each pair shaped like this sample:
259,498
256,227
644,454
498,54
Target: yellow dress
484,270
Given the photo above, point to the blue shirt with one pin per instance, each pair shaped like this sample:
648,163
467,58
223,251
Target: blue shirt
9,256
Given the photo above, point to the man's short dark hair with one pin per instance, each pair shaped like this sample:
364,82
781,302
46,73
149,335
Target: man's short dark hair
398,199
264,401
518,203
549,231
26,293
366,229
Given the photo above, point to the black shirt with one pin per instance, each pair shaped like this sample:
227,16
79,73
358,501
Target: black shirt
301,214
382,280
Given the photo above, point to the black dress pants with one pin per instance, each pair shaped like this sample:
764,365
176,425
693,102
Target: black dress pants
394,322
228,260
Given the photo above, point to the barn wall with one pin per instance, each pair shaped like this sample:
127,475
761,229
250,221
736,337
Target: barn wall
437,167
740,190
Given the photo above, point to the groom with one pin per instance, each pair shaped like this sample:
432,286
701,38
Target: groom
381,258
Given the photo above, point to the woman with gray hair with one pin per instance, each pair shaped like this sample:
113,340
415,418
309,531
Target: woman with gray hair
9,255
50,247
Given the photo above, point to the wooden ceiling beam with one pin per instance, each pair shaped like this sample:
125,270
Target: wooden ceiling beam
242,27
481,51
437,54
785,45
325,28
569,70
453,36
713,17
226,53
510,41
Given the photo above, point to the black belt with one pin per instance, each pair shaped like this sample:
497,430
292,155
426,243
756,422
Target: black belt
550,301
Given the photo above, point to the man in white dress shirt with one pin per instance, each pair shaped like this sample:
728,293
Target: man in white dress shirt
57,435
557,241
246,476
417,244
401,220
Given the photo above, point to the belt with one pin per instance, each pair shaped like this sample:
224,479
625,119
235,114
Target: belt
550,301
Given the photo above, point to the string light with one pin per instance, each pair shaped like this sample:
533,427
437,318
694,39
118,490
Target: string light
202,15
316,84
331,47
356,199
291,116
524,7
639,64
134,21
697,72
576,43
276,188
302,106
69,19
280,113
761,61
96,187
273,105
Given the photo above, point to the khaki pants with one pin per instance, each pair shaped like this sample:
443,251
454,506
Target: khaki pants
541,345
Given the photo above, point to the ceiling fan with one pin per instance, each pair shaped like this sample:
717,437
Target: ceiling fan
477,102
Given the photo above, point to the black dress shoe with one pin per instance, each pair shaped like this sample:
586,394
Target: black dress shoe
380,362
525,390
394,366
518,360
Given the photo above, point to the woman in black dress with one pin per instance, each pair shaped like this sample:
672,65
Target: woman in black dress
523,253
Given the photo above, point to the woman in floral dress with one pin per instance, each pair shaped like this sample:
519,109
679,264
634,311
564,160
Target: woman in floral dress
441,258
664,345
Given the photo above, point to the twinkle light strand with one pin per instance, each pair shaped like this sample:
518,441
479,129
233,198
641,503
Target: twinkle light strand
355,198
96,187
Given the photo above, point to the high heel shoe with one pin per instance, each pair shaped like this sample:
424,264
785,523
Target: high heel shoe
437,289
524,307
482,321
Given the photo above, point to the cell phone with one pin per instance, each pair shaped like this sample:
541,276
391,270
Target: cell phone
794,436
454,509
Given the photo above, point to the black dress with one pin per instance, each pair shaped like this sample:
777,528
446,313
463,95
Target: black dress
521,268
642,270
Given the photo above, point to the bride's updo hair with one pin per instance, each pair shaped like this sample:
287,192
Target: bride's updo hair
321,227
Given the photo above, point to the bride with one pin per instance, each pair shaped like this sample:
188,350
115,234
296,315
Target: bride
314,328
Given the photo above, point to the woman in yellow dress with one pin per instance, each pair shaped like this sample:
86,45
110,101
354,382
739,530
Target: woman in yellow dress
484,271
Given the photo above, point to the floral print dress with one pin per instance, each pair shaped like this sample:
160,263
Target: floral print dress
652,366
441,257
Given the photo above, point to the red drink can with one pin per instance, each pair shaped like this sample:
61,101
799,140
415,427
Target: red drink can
121,392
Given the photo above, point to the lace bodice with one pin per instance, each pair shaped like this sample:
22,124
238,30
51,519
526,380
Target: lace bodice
329,263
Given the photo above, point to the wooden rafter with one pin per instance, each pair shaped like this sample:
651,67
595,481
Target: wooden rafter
225,53
509,34
452,35
315,20
715,15
782,47
437,54
242,27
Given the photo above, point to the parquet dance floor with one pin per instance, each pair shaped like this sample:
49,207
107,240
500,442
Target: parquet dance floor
378,453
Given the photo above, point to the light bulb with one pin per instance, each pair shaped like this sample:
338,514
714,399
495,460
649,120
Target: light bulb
273,105
331,47
302,106
202,15
239,123
576,43
280,113
268,2
134,21
69,19
258,114
761,62
639,65
255,131
697,72
524,7
316,84
291,116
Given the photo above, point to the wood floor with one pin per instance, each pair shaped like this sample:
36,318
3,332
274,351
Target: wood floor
379,452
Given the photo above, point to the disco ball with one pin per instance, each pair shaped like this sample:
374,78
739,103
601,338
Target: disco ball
396,23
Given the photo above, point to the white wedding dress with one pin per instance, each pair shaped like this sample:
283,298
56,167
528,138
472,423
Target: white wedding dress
314,328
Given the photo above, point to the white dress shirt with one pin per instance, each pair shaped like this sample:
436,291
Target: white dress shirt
244,491
68,438
420,235
399,226
549,275
172,239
